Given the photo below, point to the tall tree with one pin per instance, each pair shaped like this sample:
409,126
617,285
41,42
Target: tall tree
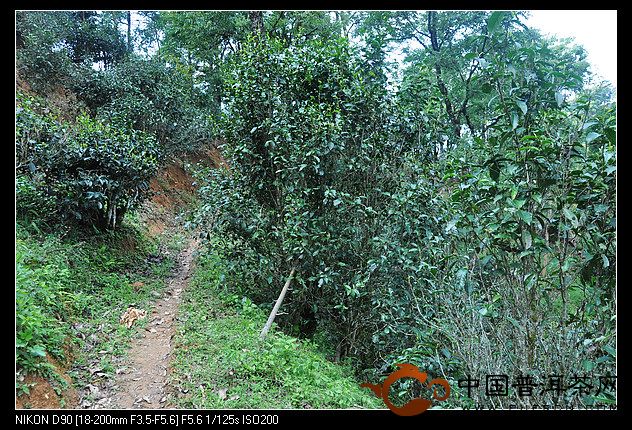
256,22
129,31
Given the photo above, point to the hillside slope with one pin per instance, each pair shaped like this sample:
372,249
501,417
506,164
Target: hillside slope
215,359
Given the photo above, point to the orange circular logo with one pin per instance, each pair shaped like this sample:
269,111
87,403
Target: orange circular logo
417,405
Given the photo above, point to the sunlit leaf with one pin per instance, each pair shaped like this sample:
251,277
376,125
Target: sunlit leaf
527,217
592,136
494,21
514,120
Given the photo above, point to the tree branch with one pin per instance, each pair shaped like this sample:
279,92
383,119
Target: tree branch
277,305
432,29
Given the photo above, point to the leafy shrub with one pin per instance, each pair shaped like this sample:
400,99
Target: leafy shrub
94,172
58,50
148,96
521,278
305,131
54,47
533,235
41,58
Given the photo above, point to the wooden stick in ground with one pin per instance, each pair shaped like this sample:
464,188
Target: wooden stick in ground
277,305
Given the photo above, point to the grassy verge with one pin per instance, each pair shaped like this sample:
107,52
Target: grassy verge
70,293
219,361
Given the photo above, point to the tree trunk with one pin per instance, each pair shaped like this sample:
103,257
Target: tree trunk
129,31
434,41
277,305
256,21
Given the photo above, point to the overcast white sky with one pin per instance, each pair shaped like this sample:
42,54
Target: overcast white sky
595,30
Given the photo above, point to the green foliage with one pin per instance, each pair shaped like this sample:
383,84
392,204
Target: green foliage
71,288
93,172
41,292
94,37
306,183
529,233
462,219
148,96
52,46
41,58
297,27
198,43
466,220
281,372
453,80
85,53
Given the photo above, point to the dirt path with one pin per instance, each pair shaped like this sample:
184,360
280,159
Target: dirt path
144,384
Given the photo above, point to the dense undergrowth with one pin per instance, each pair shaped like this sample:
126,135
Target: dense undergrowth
71,289
219,361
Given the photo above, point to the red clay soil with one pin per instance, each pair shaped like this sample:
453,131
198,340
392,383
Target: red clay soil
172,189
21,84
209,156
65,101
62,101
42,395
169,186
173,185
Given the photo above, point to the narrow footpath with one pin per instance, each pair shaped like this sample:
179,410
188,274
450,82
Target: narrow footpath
144,383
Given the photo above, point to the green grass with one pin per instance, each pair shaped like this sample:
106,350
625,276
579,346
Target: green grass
71,292
219,361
